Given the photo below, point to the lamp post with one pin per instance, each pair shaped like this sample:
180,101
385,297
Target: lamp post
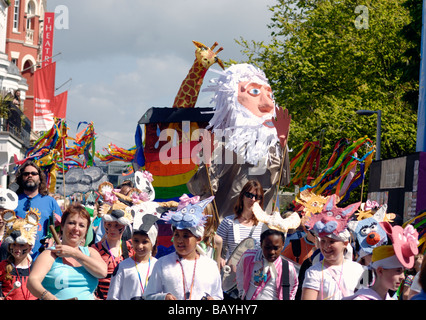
378,129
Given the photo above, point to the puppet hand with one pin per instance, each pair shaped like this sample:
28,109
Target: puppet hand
282,125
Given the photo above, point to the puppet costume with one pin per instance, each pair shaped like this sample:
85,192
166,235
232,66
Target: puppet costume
246,144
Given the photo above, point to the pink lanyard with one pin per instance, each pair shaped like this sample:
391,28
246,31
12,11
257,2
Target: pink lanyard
338,283
187,295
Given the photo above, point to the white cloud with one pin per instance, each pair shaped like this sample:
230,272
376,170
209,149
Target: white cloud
127,56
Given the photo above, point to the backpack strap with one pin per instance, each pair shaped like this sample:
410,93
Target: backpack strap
285,279
296,247
124,249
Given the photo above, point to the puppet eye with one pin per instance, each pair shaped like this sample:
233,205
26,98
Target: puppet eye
329,213
192,211
254,91
184,210
338,217
364,231
373,226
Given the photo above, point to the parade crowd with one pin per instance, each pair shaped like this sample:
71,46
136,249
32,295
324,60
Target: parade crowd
109,251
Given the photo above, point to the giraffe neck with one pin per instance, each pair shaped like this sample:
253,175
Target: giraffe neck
190,88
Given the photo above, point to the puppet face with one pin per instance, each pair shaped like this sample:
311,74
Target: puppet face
332,219
370,234
21,231
257,98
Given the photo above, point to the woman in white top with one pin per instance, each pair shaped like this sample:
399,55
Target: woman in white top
243,223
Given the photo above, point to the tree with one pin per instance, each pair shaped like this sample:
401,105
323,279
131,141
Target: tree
328,58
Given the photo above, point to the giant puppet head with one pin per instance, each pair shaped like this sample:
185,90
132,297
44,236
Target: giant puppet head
244,111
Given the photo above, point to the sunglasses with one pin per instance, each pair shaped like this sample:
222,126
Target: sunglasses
26,174
251,195
27,204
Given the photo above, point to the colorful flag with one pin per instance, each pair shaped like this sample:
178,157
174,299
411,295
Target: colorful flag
60,105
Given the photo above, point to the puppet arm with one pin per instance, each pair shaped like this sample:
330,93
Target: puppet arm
282,125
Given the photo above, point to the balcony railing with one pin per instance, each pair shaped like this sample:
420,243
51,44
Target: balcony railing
17,124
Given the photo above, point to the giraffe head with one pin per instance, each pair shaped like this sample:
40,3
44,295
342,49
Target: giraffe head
206,56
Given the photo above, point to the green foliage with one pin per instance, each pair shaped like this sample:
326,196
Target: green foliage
5,101
323,68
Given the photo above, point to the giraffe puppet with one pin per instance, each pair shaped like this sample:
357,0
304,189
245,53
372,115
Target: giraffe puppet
189,90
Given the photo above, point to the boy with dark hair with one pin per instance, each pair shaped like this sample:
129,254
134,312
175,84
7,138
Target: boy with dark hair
263,274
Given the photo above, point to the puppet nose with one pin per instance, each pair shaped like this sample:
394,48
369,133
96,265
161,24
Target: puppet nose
373,238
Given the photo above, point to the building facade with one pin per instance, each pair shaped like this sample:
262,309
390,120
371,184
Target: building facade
15,52
24,38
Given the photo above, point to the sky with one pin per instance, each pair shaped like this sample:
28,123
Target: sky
117,59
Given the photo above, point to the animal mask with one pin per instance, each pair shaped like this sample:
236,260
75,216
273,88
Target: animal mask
405,242
369,233
143,182
368,210
311,202
113,209
22,231
190,216
332,220
275,221
8,199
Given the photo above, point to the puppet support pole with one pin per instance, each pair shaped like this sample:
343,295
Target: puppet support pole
280,175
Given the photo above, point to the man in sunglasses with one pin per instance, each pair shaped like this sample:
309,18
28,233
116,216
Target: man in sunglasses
33,195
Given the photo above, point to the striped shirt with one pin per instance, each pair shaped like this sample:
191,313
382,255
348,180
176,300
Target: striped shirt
232,233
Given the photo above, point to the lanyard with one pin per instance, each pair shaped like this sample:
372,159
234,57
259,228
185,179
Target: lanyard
26,296
187,295
147,275
110,252
322,282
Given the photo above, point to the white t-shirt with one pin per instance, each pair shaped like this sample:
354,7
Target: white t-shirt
177,276
367,294
125,282
334,282
415,286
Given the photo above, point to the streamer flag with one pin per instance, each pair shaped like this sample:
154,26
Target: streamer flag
345,170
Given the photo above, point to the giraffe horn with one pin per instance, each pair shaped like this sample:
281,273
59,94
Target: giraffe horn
214,46
218,50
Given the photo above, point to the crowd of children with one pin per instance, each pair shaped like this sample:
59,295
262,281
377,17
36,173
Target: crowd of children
122,263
